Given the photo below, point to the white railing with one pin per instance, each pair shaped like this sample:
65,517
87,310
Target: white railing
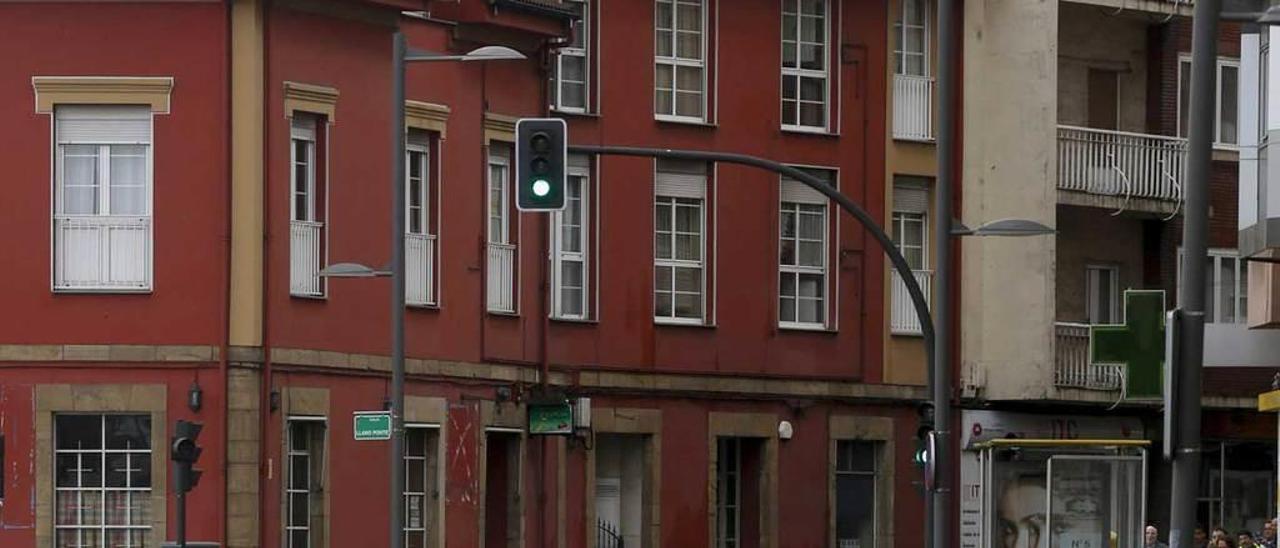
102,252
902,318
502,278
1072,366
419,258
1117,163
912,107
305,238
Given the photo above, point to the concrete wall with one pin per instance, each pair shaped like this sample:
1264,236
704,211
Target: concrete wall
1088,236
1011,81
1090,38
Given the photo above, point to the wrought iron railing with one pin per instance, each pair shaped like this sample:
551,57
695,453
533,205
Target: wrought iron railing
912,107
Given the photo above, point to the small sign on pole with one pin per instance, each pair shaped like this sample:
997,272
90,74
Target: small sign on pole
372,425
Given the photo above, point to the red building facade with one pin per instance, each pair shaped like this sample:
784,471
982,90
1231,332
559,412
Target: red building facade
182,184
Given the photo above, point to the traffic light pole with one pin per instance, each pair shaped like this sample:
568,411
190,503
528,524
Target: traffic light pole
918,300
182,512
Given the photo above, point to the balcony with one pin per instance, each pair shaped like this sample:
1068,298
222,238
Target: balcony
902,318
1120,170
501,282
1072,367
912,107
304,258
102,253
419,259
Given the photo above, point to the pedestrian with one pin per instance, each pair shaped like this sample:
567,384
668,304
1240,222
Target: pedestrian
1244,539
1223,542
1267,539
1151,538
1198,538
1219,533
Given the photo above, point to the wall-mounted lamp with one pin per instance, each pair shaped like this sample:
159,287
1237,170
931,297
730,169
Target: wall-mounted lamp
785,430
195,396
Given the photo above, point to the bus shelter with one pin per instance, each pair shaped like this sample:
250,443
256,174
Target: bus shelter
1052,493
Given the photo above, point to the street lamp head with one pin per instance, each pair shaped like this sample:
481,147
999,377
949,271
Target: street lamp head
1002,227
1271,16
350,270
493,53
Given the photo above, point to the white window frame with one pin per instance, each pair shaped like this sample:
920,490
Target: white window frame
423,214
582,34
559,256
100,455
673,263
102,220
728,534
309,193
1092,308
1184,63
1214,300
900,28
799,74
502,238
428,528
899,224
795,204
675,62
289,488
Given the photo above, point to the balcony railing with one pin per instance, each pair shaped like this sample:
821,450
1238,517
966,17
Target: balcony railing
304,258
902,317
1117,163
102,252
1072,366
419,258
912,107
501,283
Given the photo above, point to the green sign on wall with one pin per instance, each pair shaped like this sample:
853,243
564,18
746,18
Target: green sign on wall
372,425
1137,344
550,418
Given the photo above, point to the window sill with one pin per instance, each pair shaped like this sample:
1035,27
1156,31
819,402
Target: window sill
916,140
574,321
304,296
101,291
676,322
806,328
905,334
427,307
684,121
575,113
502,314
1225,153
805,130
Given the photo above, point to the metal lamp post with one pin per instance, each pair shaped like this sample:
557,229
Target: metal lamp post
401,55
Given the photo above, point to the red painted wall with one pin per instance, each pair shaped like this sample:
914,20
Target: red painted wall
190,169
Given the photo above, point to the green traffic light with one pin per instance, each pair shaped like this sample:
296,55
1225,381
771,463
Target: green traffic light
541,188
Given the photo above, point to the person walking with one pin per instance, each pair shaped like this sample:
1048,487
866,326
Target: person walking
1267,538
1244,539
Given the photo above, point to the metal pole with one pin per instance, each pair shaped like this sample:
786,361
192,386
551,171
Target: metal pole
1186,457
181,503
942,458
397,291
896,259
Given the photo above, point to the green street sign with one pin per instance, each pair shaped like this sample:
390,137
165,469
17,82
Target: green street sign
372,425
550,418
1137,344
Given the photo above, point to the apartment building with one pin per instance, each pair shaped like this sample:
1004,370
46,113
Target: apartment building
1077,118
184,171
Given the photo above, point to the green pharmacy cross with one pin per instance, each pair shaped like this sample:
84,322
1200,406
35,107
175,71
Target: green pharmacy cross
1137,344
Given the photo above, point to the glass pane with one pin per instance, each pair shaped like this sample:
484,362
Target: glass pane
688,280
811,29
812,223
662,15
663,102
688,247
915,40
571,301
789,26
662,305
813,115
573,95
789,87
811,254
65,471
128,431
688,218
689,104
128,180
1227,289
787,284
416,539
688,306
664,77
415,475
79,431
689,45
68,508
663,42
571,273
662,278
298,509
1184,94
140,470
855,510
689,79
787,252
80,179
299,539
915,64
91,508
813,7
68,538
298,435
811,57
1228,115
786,309
413,515
809,311
914,256
811,285
116,508
117,469
662,245
813,89
415,441
789,55
140,514
298,472
689,17
788,111
1210,306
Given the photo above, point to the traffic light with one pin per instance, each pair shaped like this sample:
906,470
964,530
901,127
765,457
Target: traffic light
926,443
541,150
184,452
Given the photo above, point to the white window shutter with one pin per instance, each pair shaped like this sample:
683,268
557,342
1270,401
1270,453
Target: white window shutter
89,124
910,198
681,179
798,192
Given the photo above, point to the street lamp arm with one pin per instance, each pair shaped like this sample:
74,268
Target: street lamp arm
896,258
